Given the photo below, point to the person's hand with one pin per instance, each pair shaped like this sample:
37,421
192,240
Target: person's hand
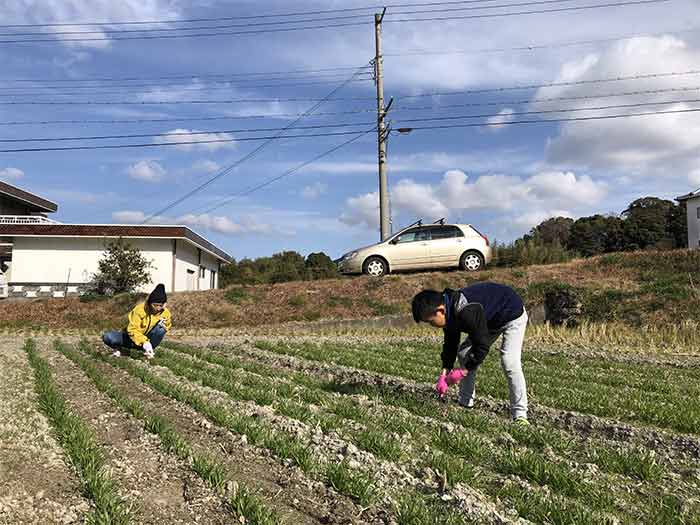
455,376
441,386
148,350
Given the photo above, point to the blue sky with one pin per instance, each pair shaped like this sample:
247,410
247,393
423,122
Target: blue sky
503,179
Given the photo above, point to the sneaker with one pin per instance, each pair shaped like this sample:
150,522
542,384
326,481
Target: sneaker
116,353
521,422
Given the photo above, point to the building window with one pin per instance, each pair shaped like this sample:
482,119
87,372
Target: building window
698,210
212,284
202,272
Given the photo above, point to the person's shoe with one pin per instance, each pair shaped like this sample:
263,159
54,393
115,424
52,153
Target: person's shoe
116,353
521,422
467,404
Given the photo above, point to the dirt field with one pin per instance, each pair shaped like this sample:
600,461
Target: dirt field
340,429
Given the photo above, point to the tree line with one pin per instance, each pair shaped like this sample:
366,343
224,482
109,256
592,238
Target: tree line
647,223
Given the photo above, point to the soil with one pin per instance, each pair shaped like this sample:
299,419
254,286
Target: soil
36,483
296,498
163,489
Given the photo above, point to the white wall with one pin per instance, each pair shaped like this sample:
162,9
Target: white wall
48,259
187,259
693,223
210,264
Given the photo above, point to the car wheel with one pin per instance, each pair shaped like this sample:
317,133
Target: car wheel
375,267
471,262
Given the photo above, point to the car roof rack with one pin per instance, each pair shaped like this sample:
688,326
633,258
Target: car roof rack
440,221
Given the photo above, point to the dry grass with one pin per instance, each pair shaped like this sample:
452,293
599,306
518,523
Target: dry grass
642,289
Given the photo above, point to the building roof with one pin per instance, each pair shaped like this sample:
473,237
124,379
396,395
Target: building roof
688,196
114,230
37,202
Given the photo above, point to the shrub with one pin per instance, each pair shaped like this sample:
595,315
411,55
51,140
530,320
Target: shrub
122,269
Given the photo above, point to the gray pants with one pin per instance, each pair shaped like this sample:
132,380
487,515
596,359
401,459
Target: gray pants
511,362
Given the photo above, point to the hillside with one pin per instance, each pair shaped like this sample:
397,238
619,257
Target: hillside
639,288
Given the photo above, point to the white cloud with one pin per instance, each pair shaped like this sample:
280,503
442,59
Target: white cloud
661,146
533,218
128,216
497,123
694,177
55,11
185,136
529,198
11,173
206,166
314,191
214,223
146,170
362,210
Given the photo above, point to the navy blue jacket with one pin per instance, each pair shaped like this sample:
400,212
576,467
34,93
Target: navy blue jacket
481,311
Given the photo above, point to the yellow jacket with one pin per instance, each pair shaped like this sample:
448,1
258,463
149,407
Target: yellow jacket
140,323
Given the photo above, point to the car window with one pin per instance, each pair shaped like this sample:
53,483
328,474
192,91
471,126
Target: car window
416,234
446,232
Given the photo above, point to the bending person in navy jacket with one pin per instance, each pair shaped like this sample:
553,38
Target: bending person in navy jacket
484,311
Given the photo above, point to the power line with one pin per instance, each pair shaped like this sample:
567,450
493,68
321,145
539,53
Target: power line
549,111
201,88
343,125
336,25
531,12
193,35
546,99
183,119
192,76
563,119
250,17
179,143
641,76
279,22
254,152
166,102
286,173
532,47
167,134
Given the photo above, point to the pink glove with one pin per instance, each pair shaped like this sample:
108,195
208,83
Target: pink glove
455,376
441,386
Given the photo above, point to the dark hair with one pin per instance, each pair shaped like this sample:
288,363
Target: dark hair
425,304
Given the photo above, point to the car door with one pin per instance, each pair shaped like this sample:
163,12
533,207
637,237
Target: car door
410,249
446,245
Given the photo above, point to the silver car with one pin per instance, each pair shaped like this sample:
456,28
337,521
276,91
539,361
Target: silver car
421,246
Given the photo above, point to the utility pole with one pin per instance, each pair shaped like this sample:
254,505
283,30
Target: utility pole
384,214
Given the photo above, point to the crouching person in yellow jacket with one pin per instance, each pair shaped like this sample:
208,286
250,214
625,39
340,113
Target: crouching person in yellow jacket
148,324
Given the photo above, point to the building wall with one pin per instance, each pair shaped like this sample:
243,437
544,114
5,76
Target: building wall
693,205
189,260
47,260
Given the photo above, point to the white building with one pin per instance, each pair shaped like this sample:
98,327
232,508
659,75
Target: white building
41,257
692,203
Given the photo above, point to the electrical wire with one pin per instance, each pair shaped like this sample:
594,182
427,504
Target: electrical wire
251,154
337,25
343,125
400,109
287,173
167,134
184,119
201,88
555,120
193,75
532,47
249,17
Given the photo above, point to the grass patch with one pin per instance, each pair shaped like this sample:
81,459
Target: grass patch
237,295
346,481
209,469
80,445
381,308
297,301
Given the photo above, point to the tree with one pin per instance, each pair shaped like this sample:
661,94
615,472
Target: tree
648,223
556,230
596,234
320,266
122,269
